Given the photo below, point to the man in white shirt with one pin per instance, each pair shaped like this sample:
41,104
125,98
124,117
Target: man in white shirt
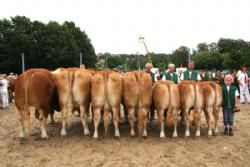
171,75
4,100
243,84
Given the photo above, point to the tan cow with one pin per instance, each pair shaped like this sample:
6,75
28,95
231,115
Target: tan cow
209,100
74,86
34,88
191,97
106,94
137,98
81,91
213,100
166,97
63,79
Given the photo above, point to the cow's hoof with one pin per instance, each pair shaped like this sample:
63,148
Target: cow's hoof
175,135
95,136
210,132
21,135
162,135
63,132
216,130
45,138
117,137
197,133
132,133
187,134
145,137
86,133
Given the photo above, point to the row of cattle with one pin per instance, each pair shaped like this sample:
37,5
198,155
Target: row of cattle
69,89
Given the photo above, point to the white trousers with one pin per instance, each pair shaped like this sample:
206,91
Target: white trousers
4,100
244,94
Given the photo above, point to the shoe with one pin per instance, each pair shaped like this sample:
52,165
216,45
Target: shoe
231,132
226,131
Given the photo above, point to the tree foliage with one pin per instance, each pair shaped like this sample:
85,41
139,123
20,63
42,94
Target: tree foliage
48,46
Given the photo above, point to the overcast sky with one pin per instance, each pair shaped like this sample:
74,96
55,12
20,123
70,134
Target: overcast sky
114,25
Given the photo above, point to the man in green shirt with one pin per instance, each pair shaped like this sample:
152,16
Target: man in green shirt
171,75
190,74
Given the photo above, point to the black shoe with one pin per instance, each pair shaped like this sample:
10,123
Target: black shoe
226,131
231,132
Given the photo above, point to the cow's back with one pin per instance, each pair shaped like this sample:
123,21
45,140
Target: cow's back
137,89
35,88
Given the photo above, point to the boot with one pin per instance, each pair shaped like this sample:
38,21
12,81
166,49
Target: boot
231,132
226,131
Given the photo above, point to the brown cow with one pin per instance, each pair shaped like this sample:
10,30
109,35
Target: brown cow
166,97
137,97
191,97
106,94
34,88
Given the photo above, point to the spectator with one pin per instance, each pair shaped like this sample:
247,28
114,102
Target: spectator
4,100
243,85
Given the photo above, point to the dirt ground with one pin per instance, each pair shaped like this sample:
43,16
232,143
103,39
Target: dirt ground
76,150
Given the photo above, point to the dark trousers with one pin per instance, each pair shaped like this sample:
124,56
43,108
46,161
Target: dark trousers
228,116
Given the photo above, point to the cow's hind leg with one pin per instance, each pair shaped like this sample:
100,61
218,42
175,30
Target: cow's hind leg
160,113
97,118
116,111
208,119
20,117
131,117
27,121
187,122
175,112
197,120
142,122
84,118
42,119
216,111
64,121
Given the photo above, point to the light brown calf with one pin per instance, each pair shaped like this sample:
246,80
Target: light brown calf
81,91
191,97
166,97
63,79
74,89
216,105
209,101
137,98
106,94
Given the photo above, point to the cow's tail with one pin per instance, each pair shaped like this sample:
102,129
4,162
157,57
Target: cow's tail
141,111
106,108
170,107
71,80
